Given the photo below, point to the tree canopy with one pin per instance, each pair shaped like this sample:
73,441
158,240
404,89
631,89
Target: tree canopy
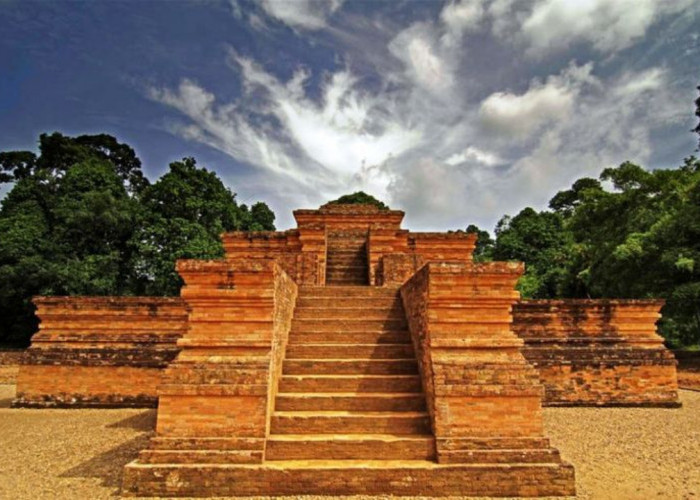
637,238
359,198
82,219
484,244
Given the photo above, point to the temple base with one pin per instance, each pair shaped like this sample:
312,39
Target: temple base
365,477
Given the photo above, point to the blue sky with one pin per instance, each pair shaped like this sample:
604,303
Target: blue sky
456,112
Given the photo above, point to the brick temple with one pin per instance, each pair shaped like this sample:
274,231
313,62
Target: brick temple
347,356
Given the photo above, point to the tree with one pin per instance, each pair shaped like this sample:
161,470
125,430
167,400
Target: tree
16,165
639,240
62,235
483,252
25,265
94,220
184,214
565,202
82,219
262,218
58,153
359,198
540,240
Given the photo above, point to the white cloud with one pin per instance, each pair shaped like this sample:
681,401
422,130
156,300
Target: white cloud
423,187
321,147
549,26
417,48
460,17
226,128
611,124
429,136
607,25
304,14
634,84
474,154
343,132
523,115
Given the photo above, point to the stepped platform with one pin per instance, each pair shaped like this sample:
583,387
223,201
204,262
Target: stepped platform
350,417
349,477
347,356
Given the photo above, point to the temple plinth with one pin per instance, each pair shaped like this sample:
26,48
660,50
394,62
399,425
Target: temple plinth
350,356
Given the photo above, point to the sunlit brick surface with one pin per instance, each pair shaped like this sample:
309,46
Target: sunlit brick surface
347,356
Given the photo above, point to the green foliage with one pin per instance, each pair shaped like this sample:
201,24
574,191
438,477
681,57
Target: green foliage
640,239
484,244
261,217
184,213
81,219
359,198
539,240
15,165
58,153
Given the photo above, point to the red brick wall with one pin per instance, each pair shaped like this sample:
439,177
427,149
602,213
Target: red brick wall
597,352
9,365
99,351
480,389
291,249
222,384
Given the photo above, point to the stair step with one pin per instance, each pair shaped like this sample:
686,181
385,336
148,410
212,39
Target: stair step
339,273
337,422
350,383
349,447
338,267
347,255
347,260
521,456
200,456
350,351
374,313
330,324
349,366
342,271
346,337
347,292
337,276
338,401
204,443
335,244
346,282
387,303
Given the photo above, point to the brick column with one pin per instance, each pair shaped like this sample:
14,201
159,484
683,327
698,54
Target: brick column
313,241
382,242
215,398
484,398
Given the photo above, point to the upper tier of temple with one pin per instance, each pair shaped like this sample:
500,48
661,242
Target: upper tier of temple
337,240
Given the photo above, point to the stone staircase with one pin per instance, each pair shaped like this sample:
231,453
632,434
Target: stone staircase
350,388
349,418
346,259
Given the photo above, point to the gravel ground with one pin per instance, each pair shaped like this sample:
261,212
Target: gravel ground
618,453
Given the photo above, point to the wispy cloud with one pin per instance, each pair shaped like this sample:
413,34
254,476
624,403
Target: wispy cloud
422,136
305,14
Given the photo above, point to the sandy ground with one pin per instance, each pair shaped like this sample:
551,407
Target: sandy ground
618,453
